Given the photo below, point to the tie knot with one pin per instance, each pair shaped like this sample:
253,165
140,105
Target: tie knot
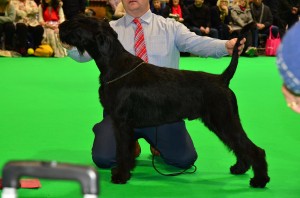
137,21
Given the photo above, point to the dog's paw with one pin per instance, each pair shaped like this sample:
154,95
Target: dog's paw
259,182
119,177
239,168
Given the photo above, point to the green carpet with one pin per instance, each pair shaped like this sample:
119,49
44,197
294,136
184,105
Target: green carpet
48,107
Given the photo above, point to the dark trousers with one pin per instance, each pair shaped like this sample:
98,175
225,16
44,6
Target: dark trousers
8,31
213,32
28,36
263,34
171,140
251,38
223,31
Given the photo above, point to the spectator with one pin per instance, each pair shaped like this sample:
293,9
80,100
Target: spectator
288,12
232,3
241,15
263,17
199,20
7,28
120,11
73,7
277,21
111,8
178,11
50,16
288,56
158,9
29,32
220,19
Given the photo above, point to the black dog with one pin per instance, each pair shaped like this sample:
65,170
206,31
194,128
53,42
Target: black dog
138,94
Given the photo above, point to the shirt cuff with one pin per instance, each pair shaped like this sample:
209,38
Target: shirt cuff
75,55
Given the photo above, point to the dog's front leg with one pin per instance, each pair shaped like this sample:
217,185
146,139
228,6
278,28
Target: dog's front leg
125,153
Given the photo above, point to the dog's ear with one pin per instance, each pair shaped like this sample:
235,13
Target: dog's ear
104,44
106,39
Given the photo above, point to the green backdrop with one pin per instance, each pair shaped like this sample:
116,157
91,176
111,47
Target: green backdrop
48,107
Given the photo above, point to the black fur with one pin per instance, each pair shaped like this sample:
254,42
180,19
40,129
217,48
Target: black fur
151,95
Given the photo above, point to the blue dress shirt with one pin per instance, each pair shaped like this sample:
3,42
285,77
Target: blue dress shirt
165,38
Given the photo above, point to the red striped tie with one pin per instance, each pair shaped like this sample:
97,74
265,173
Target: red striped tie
139,41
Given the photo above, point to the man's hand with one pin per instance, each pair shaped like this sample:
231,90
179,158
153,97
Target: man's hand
260,26
230,44
207,30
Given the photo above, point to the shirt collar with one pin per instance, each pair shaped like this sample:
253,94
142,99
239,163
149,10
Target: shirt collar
146,18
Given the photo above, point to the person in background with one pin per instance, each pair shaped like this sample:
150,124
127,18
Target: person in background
241,15
165,38
159,10
288,56
29,32
111,8
178,11
120,11
277,21
199,20
233,3
288,11
7,27
263,17
221,18
51,15
72,8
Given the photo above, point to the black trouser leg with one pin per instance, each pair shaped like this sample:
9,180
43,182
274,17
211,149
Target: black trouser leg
9,32
21,34
37,35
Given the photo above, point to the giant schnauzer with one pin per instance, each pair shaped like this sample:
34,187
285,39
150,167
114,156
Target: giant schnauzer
137,94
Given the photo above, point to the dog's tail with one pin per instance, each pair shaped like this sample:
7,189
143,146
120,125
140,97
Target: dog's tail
227,75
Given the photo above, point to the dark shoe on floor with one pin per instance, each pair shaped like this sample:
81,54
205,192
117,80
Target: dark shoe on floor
137,149
154,151
23,51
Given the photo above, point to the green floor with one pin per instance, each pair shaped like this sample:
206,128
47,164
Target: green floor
48,107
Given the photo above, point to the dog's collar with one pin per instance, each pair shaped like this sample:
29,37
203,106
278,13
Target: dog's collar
123,75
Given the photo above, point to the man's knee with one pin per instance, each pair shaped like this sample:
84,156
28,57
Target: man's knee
104,146
103,162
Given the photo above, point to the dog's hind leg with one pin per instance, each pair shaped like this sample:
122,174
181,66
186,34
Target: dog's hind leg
224,121
124,152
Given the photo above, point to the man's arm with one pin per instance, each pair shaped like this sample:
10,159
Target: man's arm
187,41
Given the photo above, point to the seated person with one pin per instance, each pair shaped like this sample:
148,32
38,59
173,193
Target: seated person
263,17
178,11
120,11
220,19
7,28
50,16
241,15
199,20
28,29
159,9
